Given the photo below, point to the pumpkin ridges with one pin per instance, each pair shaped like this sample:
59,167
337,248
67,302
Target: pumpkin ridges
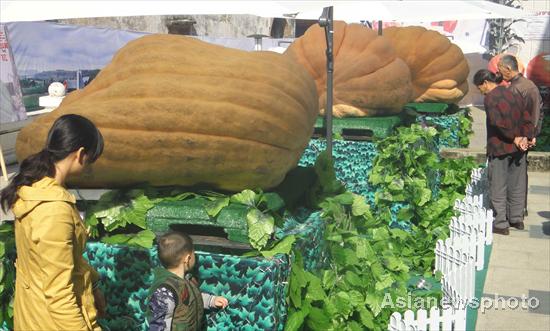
196,85
358,52
258,103
376,62
280,83
137,55
337,37
442,66
277,132
458,72
432,58
128,152
217,154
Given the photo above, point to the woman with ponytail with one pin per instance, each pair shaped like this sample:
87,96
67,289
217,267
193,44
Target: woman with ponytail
508,121
55,288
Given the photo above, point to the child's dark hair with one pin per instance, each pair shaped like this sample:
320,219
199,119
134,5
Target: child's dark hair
67,134
485,75
172,247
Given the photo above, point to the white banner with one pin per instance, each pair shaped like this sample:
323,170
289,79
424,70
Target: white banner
11,99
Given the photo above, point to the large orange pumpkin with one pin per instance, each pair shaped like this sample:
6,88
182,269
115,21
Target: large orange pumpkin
439,70
368,77
178,111
538,69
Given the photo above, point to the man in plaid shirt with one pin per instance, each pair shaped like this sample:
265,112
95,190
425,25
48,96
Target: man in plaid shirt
508,122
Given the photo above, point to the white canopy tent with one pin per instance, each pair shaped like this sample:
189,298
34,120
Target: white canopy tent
405,10
349,11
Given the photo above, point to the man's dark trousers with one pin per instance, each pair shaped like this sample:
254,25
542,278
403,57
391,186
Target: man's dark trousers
508,185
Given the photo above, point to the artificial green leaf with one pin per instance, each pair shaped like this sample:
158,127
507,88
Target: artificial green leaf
137,213
345,198
359,206
260,228
295,320
342,301
143,239
356,298
214,207
353,279
405,214
354,326
374,301
298,280
318,319
315,291
246,197
398,233
375,178
362,246
395,264
344,256
329,279
380,234
282,247
397,184
385,282
273,201
116,239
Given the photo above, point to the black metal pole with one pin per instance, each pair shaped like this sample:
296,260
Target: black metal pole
326,21
379,28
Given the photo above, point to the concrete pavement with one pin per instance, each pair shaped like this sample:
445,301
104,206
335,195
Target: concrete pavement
519,267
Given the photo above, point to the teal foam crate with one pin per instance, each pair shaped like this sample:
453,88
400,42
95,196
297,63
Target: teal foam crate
255,287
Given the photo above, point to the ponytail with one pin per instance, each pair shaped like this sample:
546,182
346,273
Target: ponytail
31,170
68,134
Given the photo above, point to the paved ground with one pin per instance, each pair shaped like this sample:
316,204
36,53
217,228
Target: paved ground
520,267
520,263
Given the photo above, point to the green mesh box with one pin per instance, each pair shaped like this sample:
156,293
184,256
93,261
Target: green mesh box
448,124
255,287
357,127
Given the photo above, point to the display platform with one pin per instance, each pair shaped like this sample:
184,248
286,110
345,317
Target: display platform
231,220
359,128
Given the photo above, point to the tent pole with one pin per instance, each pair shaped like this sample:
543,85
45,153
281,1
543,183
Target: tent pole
326,21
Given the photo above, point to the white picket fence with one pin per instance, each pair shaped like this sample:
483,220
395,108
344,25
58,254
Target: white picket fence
437,319
458,258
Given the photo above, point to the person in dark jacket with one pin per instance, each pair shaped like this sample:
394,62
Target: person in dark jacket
175,300
507,122
508,68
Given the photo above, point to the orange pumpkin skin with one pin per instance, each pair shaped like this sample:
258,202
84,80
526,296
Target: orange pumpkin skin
439,70
174,110
369,79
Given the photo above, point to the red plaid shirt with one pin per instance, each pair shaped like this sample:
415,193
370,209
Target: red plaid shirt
507,118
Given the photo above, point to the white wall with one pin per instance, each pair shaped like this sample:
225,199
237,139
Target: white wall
536,29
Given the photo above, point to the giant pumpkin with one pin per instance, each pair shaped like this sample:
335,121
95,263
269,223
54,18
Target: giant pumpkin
439,70
538,70
369,79
178,111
